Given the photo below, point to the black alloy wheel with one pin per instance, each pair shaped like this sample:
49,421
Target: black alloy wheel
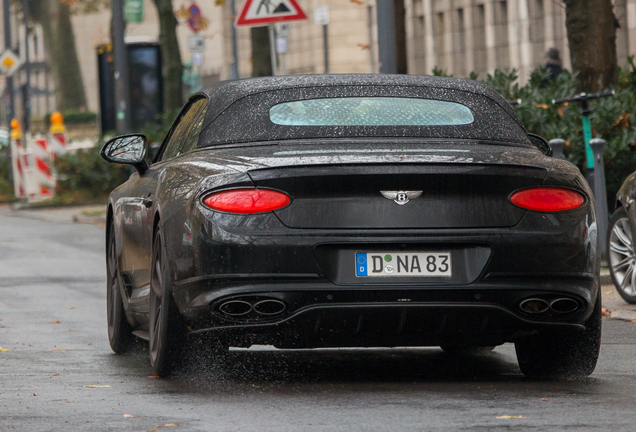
120,334
166,334
621,257
565,355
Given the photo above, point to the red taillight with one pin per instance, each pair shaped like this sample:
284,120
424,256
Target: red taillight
547,199
246,200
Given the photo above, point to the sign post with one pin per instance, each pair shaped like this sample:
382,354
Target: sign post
321,17
258,13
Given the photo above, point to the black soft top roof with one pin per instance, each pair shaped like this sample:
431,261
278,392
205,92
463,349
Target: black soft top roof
239,110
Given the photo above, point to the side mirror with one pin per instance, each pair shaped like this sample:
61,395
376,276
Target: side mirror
127,149
541,143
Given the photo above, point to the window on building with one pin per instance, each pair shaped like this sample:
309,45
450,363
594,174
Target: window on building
419,39
440,43
537,35
502,55
459,44
479,40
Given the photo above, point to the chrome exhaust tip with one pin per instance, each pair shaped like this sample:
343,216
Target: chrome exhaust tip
534,305
235,308
269,307
564,305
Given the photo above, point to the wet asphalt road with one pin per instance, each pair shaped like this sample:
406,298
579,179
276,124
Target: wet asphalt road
54,272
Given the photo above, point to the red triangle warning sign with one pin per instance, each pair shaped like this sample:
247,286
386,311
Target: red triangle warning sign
262,12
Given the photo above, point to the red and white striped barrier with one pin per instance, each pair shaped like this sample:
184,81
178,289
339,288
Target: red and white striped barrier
58,144
43,176
17,151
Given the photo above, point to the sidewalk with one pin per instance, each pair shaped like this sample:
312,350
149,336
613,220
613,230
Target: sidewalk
614,307
87,214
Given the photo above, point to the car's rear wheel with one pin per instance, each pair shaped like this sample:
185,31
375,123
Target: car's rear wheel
562,355
621,257
166,330
120,334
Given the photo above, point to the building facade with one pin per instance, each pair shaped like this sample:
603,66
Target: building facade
455,36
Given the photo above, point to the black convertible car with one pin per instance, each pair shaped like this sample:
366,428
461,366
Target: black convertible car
353,211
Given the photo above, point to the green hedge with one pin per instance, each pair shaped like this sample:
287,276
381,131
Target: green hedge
72,117
613,118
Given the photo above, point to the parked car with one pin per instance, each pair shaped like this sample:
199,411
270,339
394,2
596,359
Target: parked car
620,247
353,211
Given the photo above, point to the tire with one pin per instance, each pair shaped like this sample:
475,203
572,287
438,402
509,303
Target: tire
621,256
165,329
120,334
562,355
467,350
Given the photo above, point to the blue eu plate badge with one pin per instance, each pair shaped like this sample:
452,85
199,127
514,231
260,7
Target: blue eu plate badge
361,264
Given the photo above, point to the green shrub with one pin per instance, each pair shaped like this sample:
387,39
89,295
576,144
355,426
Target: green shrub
72,117
85,170
613,118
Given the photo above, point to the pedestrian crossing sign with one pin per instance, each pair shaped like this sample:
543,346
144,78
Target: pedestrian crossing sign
263,12
9,62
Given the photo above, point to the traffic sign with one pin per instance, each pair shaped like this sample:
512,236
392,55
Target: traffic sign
262,12
321,15
9,62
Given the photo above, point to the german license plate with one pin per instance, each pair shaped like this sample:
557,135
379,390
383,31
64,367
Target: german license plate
420,264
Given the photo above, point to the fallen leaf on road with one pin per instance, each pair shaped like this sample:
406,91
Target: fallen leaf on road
511,417
607,292
96,386
544,399
4,349
55,375
153,376
128,415
167,425
55,322
633,319
58,351
606,312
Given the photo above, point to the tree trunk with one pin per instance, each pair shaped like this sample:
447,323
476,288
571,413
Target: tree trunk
591,27
400,35
261,56
172,68
55,19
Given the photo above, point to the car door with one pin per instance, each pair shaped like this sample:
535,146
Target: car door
139,208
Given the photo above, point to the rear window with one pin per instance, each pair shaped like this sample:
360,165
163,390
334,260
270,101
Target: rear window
370,111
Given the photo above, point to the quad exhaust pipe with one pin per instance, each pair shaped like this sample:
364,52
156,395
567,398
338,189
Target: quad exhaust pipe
263,308
538,306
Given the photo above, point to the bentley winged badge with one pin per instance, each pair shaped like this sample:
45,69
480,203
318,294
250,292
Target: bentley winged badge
401,197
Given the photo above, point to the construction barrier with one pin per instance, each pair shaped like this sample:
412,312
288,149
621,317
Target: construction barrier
43,174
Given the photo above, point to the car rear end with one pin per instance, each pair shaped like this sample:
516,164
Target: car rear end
380,228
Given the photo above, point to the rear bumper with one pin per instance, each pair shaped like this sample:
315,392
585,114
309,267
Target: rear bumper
321,314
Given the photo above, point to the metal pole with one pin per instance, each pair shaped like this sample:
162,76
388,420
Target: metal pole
325,44
27,69
600,194
6,13
557,145
121,67
272,49
234,72
386,36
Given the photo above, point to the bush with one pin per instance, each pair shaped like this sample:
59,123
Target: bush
87,171
72,117
612,119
